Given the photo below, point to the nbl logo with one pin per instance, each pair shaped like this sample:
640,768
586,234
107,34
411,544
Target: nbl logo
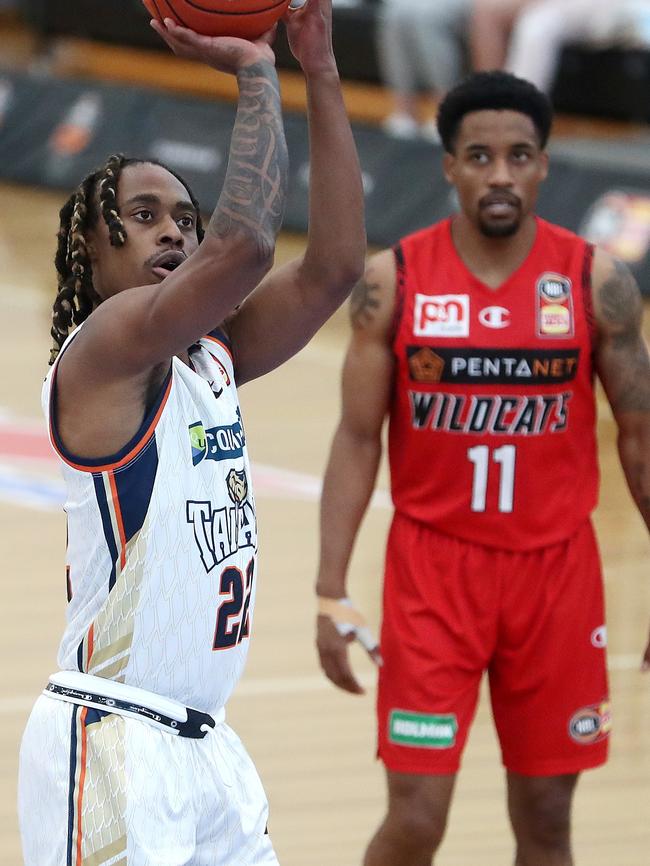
554,306
591,724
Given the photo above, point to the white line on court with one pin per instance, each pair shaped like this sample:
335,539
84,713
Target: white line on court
267,686
27,481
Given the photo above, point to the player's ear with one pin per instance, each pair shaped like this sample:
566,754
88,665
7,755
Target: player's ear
91,246
543,165
448,165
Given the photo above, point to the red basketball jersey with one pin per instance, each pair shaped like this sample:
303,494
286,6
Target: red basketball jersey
492,422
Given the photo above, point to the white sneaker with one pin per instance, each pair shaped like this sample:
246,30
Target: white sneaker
401,126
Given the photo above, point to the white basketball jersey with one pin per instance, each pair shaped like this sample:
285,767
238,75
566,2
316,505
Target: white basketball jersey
162,541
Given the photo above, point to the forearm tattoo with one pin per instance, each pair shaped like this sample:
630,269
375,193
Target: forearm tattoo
626,367
254,191
364,302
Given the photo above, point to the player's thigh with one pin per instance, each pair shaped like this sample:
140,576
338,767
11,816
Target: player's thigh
548,678
437,635
234,825
43,785
97,787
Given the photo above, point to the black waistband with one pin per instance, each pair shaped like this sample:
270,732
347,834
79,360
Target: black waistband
196,727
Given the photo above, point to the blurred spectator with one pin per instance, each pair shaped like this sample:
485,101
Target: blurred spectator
595,22
526,37
420,45
490,26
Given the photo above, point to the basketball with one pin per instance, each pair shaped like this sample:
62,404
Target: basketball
247,19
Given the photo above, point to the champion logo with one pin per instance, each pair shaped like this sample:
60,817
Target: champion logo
599,637
494,317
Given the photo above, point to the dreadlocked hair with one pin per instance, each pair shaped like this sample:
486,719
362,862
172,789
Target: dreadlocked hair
76,296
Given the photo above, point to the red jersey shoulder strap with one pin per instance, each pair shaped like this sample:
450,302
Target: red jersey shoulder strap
400,289
408,253
587,296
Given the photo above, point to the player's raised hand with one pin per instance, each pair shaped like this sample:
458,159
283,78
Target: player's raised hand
309,31
224,53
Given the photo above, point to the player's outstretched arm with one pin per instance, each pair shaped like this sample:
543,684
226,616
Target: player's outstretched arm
355,452
623,365
282,315
239,242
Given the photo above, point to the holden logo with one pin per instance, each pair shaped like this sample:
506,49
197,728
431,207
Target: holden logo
494,317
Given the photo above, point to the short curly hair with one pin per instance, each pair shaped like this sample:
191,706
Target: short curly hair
494,90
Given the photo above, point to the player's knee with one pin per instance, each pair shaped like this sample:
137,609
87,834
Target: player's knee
548,820
419,821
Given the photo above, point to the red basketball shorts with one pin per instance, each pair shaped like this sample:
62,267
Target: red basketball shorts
533,620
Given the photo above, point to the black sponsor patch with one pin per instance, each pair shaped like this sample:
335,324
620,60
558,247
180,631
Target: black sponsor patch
492,366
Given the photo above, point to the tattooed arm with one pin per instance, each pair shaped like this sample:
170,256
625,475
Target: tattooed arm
252,200
289,306
623,366
107,377
238,247
356,448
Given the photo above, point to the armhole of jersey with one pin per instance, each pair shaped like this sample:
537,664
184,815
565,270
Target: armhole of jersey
220,338
400,291
125,455
587,296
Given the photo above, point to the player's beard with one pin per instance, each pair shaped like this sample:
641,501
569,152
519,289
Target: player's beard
499,230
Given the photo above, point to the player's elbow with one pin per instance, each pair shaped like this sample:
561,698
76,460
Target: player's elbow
249,254
263,253
257,250
351,273
350,266
336,278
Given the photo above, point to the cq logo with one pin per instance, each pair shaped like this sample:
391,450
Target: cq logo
494,317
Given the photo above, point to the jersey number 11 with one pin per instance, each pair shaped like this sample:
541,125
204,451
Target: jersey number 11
505,457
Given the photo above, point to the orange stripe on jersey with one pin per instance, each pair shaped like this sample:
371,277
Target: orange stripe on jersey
223,346
90,644
137,448
118,517
82,779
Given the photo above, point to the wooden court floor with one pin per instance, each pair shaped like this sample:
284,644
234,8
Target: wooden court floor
314,746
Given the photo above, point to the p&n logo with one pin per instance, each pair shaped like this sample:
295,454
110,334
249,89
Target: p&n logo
441,316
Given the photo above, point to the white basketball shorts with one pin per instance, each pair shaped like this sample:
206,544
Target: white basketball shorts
100,789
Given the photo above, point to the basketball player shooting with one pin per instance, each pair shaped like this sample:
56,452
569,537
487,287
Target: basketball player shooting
126,756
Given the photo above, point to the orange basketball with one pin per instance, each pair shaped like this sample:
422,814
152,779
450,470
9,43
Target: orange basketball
245,18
